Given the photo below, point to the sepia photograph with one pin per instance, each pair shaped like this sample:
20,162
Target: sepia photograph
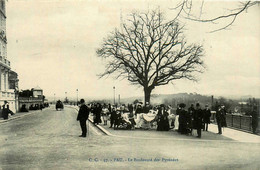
129,84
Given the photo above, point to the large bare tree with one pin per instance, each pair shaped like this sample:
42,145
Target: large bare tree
151,52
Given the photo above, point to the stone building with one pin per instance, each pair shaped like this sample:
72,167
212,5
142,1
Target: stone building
8,78
31,98
37,92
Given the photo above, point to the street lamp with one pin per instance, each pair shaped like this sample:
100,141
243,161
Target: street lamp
77,96
114,95
65,97
54,98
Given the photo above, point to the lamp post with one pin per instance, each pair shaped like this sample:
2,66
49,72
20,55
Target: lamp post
114,95
54,97
77,96
65,97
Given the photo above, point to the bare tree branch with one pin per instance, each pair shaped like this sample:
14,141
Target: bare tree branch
187,6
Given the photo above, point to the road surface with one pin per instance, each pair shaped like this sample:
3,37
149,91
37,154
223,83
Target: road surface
49,139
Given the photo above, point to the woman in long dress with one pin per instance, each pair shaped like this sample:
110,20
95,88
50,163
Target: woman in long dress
162,119
138,113
176,122
105,113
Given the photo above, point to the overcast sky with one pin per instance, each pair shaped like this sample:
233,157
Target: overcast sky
52,44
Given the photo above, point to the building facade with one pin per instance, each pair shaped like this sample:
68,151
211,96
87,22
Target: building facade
8,78
31,99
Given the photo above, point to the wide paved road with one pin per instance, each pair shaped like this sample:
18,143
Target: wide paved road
49,139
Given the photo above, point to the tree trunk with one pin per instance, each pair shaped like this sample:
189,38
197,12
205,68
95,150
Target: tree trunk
147,94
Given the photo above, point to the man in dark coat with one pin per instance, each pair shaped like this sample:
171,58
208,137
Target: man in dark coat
5,110
112,117
97,113
206,119
198,116
221,118
191,111
83,117
118,118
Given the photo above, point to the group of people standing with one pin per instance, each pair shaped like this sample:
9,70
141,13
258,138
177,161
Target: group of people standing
198,118
193,118
184,120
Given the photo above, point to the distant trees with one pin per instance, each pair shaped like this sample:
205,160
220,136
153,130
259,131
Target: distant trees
188,99
230,105
248,107
151,52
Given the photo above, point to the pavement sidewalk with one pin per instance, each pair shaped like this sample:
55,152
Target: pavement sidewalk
236,134
18,115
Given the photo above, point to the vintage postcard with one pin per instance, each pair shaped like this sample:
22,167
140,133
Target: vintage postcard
129,84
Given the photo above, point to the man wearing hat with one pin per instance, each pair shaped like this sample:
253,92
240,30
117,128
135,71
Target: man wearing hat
198,116
5,110
206,119
221,118
83,117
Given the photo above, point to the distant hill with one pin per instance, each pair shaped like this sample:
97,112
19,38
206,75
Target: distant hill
172,99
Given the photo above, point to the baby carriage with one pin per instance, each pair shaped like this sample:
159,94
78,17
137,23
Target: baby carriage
122,122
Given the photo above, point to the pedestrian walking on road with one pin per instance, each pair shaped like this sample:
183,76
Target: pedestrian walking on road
83,117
